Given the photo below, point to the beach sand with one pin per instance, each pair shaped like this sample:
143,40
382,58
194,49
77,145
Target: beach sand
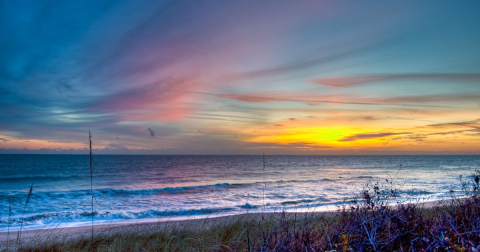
69,233
65,234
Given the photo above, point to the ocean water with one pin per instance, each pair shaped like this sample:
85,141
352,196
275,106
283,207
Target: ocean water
137,188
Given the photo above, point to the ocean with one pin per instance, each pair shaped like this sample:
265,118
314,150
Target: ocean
136,188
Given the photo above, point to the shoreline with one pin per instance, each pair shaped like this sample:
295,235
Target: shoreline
62,234
125,222
146,225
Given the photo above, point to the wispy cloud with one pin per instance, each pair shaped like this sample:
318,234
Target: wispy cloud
153,101
285,145
432,98
180,67
342,99
306,62
418,136
349,82
226,116
472,123
371,135
217,119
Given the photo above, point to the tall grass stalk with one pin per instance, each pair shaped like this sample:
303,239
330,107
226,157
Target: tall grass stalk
19,237
91,174
8,225
264,182
264,232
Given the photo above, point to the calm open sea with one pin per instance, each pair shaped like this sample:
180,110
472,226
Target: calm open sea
137,188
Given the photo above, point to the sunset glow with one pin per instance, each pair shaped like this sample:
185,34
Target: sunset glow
215,77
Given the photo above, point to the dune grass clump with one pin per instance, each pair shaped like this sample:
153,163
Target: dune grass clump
374,224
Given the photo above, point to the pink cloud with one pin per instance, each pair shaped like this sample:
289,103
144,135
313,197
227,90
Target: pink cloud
430,98
371,135
152,75
348,82
276,96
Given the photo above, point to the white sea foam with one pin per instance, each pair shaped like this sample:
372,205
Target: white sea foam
135,188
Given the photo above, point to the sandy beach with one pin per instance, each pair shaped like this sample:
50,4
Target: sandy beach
64,234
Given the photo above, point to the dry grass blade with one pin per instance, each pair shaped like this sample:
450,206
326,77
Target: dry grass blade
19,237
91,174
8,226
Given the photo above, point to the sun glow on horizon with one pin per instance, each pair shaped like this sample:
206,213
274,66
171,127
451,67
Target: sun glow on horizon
312,76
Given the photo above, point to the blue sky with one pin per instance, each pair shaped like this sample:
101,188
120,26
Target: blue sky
224,77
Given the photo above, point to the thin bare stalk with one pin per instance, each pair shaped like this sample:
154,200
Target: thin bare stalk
8,225
264,182
91,174
19,238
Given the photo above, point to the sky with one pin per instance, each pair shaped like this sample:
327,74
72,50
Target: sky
240,77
